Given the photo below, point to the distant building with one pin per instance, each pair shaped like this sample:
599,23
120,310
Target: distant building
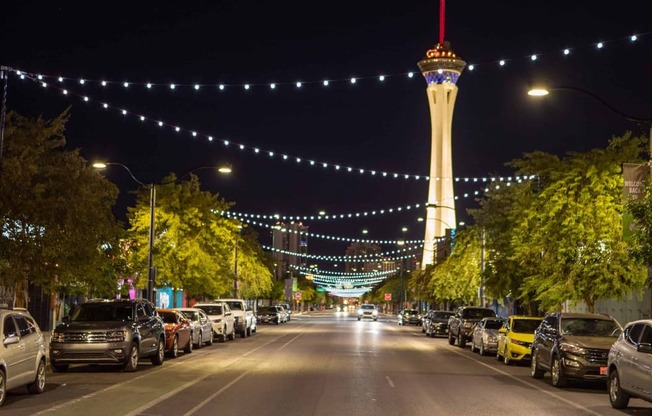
290,243
367,259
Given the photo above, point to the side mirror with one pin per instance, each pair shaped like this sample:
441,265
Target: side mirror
644,347
11,339
502,330
227,314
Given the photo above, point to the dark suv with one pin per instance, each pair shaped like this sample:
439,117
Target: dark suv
573,346
115,331
460,325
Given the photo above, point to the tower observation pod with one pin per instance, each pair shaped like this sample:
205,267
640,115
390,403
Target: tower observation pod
441,69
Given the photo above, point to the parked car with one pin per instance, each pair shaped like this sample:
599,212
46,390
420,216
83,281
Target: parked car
200,324
436,323
178,333
368,311
573,346
268,315
282,313
485,335
116,331
242,316
288,310
22,356
515,338
629,363
460,325
409,317
221,317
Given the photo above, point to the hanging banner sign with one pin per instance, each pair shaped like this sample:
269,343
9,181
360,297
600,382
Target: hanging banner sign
634,176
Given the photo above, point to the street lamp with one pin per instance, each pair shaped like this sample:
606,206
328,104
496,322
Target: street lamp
151,273
541,91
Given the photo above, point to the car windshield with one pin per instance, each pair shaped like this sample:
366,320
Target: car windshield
264,310
211,309
168,317
368,307
477,313
192,315
236,306
99,312
525,326
589,327
410,312
442,315
493,324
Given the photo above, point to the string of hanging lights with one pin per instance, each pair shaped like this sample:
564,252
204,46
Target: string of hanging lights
298,160
325,83
351,259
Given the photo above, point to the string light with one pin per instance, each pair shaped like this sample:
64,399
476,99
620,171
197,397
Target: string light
351,81
297,159
348,259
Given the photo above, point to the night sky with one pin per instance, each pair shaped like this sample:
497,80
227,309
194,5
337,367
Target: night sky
373,125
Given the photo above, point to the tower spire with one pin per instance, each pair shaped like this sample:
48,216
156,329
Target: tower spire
442,20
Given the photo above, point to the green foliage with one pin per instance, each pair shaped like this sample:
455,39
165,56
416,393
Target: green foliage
641,210
58,227
457,278
569,238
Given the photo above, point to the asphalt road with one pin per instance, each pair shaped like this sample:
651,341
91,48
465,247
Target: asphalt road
318,364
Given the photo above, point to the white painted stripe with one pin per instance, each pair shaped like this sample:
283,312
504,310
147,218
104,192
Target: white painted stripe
389,381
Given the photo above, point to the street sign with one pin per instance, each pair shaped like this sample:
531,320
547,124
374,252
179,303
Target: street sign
388,296
297,295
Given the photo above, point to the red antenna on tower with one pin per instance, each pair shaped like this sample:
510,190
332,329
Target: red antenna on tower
442,20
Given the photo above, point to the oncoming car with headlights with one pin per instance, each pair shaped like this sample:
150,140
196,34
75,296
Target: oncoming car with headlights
368,311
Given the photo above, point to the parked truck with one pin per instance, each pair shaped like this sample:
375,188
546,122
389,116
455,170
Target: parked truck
243,316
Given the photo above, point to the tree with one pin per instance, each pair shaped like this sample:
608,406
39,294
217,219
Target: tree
254,272
58,228
499,210
458,277
570,237
193,244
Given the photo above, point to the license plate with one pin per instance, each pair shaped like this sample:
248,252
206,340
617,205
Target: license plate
603,371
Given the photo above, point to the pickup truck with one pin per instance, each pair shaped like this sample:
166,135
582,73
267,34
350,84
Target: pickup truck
243,315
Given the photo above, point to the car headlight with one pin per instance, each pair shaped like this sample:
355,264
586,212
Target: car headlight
116,336
374,313
57,337
517,342
492,339
468,325
574,349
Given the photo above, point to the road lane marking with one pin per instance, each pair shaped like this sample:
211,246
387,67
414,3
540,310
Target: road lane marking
534,386
390,382
156,370
217,393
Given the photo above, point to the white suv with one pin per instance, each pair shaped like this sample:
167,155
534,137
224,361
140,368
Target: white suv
368,311
22,356
221,317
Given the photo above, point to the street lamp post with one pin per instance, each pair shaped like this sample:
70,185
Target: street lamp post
151,271
541,91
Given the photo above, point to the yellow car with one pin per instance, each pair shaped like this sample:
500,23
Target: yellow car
515,338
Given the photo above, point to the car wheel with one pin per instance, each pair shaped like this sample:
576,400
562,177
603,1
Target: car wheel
3,387
188,348
619,399
157,359
423,330
243,333
38,385
498,356
232,334
210,339
461,341
506,359
557,373
132,359
249,331
174,351
535,371
473,349
482,351
451,340
200,343
59,368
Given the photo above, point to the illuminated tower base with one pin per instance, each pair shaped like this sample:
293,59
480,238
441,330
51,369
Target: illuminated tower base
441,69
